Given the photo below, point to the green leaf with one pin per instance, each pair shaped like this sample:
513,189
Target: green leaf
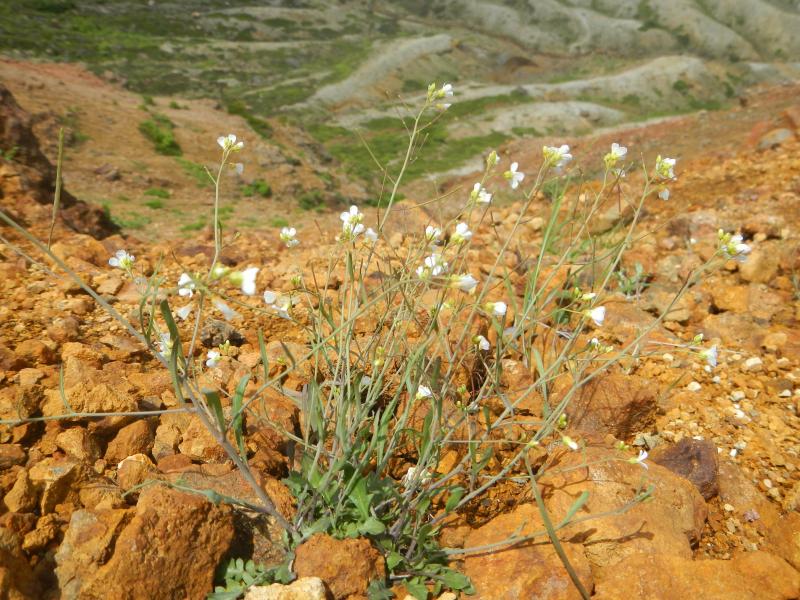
236,407
213,401
455,580
417,588
393,559
262,347
372,526
576,506
360,498
454,498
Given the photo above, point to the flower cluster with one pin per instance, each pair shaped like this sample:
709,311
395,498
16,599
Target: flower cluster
732,246
612,158
288,237
479,194
229,144
280,304
122,260
514,176
432,266
462,234
352,224
664,172
556,157
446,91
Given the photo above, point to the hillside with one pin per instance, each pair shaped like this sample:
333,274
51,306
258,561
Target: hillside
348,69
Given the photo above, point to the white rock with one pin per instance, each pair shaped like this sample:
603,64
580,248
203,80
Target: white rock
694,387
305,588
752,364
737,396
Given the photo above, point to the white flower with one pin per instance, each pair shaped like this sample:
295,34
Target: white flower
122,260
443,105
513,176
411,474
186,285
280,304
733,246
371,235
710,356
288,237
556,156
184,312
432,233
498,309
569,443
617,153
594,343
228,142
213,358
165,344
423,392
446,91
351,223
663,193
482,343
480,195
227,312
640,459
597,314
239,168
433,266
248,281
466,283
462,234
665,168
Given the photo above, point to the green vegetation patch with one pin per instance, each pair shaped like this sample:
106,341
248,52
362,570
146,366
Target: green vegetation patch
259,186
159,130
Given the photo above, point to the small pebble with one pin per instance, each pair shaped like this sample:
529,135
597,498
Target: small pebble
752,364
728,507
694,387
737,395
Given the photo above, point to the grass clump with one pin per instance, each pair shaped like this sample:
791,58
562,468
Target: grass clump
155,204
259,187
158,192
159,130
312,200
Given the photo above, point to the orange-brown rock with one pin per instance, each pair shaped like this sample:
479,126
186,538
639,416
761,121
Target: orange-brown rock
156,554
668,577
668,523
526,570
346,566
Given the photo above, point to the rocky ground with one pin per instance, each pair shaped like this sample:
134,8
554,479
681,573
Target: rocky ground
724,446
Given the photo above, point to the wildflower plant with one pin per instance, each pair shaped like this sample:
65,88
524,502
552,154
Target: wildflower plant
406,421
